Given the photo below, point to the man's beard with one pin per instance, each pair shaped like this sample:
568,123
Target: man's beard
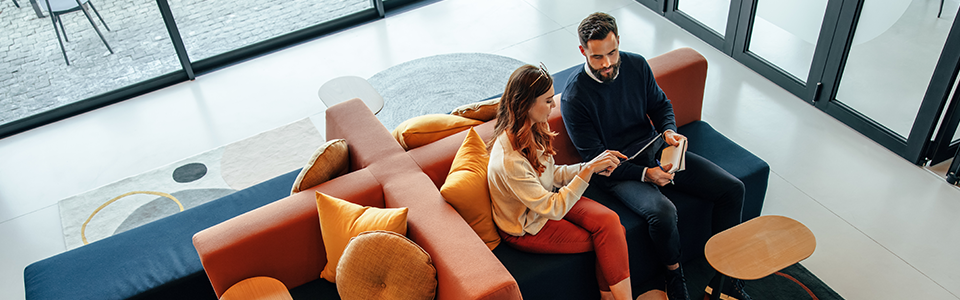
608,78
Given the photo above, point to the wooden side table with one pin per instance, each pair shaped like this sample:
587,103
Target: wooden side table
758,248
262,288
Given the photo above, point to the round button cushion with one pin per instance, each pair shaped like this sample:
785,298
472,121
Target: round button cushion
385,265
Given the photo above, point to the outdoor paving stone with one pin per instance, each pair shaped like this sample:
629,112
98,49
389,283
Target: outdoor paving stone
142,48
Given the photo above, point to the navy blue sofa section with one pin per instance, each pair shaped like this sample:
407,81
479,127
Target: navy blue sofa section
573,276
153,261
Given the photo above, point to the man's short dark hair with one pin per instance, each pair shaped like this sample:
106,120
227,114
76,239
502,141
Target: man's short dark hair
596,27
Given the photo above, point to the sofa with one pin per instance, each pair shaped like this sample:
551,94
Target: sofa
266,231
282,239
681,74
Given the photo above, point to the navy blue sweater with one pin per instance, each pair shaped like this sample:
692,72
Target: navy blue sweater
616,114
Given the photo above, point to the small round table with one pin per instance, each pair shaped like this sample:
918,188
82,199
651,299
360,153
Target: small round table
261,287
758,248
348,87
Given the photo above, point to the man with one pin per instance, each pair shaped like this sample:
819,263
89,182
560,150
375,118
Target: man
610,104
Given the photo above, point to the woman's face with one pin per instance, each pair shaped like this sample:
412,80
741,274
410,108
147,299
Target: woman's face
542,107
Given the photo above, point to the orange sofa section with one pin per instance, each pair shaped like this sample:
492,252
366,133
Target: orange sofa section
282,239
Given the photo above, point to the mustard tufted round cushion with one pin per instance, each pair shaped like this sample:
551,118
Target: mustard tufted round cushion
385,265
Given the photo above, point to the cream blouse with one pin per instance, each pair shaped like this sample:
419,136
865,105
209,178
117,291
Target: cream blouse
523,201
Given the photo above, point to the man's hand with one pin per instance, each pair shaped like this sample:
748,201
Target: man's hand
657,176
673,139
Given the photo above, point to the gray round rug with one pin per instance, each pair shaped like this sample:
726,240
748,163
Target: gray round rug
438,84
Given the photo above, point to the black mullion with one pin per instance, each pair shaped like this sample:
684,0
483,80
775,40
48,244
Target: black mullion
733,21
837,59
944,75
952,177
658,6
175,38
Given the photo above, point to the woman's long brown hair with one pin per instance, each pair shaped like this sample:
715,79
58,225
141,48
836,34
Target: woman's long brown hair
513,117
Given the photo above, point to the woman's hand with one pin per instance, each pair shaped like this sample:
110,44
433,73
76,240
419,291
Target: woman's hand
603,164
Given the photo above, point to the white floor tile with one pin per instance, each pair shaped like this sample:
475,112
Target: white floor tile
571,12
850,262
557,50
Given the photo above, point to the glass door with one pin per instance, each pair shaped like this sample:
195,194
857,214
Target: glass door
714,21
787,41
894,79
884,68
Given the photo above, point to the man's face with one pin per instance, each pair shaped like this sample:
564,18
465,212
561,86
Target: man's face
603,57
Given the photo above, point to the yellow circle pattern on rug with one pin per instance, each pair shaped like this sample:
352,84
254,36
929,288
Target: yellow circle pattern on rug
83,228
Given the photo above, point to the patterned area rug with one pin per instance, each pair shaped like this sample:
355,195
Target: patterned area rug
792,283
182,185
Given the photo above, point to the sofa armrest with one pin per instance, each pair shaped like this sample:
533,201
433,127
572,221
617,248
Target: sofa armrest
282,239
682,75
368,141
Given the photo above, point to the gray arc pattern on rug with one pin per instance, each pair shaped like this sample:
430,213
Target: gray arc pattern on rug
163,207
438,84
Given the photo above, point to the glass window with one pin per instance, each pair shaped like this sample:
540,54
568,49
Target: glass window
895,50
712,13
211,27
35,76
785,33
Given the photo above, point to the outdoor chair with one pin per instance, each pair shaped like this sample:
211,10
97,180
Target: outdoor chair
60,7
938,13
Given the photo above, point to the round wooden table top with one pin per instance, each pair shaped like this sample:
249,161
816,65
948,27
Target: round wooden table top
262,287
759,247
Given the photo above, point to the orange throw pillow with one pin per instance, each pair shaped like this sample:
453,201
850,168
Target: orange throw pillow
329,161
422,130
341,220
466,188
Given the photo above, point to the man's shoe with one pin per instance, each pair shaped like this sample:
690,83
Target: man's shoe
677,285
732,289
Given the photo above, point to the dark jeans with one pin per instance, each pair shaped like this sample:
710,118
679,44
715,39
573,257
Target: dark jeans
702,179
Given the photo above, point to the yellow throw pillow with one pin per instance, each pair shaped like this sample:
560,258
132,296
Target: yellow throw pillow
484,110
329,161
341,220
422,130
467,191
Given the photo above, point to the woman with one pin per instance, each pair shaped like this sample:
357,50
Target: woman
537,204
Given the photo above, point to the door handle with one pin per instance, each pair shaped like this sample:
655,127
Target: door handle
816,92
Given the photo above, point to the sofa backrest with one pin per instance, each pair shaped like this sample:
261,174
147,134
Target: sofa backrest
681,74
